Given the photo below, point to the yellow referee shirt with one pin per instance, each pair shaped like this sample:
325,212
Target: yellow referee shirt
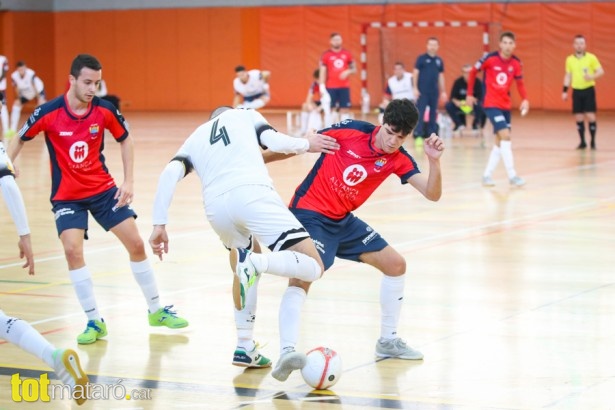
578,67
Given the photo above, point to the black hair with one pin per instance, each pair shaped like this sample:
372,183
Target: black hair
219,111
402,115
20,63
508,34
84,60
239,69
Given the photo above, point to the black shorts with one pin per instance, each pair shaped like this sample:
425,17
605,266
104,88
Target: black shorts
584,100
3,97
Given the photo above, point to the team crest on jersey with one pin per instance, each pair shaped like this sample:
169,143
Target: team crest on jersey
94,128
380,162
78,151
354,174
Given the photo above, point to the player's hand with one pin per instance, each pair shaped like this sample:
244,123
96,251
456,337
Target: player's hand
433,146
25,251
159,241
524,107
470,100
564,96
124,194
321,143
444,96
344,74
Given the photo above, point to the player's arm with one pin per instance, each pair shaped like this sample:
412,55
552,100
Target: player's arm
175,171
17,210
442,86
525,104
275,141
415,81
431,185
265,75
470,98
352,68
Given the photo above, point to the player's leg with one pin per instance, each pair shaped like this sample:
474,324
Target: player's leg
499,122
4,114
433,114
421,105
121,222
579,116
590,109
502,136
16,112
65,362
344,103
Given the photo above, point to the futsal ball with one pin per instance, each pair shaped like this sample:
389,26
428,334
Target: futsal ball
465,107
323,368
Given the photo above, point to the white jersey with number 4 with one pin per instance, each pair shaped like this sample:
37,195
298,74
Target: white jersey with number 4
254,86
225,151
24,84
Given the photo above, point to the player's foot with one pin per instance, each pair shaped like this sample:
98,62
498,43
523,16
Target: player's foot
253,359
167,317
396,348
418,142
593,145
582,145
517,181
94,330
488,181
288,362
69,371
246,272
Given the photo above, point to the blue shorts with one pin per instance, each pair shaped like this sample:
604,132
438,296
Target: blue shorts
74,214
24,100
339,97
499,118
253,97
347,238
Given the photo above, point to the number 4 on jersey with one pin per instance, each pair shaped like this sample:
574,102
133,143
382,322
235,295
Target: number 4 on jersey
217,136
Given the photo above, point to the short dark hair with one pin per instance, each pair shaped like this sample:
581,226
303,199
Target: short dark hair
335,33
508,34
433,38
316,73
84,60
400,64
20,63
579,36
402,115
239,69
219,111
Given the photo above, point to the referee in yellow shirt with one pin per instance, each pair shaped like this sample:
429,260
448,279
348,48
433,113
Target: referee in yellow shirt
582,70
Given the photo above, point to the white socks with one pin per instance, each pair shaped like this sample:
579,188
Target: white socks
15,114
494,159
507,158
289,317
391,298
244,320
315,120
144,275
82,282
21,334
289,264
304,121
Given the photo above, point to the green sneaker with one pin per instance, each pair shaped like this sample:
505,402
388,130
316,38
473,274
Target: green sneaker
166,317
95,330
253,359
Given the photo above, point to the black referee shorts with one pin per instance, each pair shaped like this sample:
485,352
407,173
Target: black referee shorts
584,100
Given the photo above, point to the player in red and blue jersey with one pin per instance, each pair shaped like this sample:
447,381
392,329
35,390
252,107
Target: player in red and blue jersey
501,69
336,65
335,187
74,125
311,110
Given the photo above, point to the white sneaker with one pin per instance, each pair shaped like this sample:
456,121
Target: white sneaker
396,348
246,272
288,363
517,181
488,181
68,369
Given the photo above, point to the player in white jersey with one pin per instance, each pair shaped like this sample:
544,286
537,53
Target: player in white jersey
251,88
399,86
65,362
28,86
4,112
241,202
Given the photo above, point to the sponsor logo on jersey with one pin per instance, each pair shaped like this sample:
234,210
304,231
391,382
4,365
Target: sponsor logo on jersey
78,151
352,154
66,134
501,78
354,174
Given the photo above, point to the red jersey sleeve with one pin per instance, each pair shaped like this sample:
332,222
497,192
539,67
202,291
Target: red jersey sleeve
114,121
405,166
36,124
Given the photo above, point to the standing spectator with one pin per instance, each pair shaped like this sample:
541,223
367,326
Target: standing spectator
251,88
336,65
501,68
582,70
463,114
428,77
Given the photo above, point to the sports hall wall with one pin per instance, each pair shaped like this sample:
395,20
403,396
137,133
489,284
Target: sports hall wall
183,59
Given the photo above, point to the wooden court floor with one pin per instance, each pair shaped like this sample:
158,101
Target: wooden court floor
510,292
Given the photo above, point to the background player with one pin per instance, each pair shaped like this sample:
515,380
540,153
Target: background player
251,88
28,87
336,65
367,156
240,202
582,70
74,126
399,85
428,77
463,114
4,112
501,68
311,110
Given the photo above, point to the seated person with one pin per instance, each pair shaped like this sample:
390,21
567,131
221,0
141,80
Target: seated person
463,115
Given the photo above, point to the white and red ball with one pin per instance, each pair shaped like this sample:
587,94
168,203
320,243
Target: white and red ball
323,368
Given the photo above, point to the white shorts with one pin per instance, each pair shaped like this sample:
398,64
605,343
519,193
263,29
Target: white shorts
254,210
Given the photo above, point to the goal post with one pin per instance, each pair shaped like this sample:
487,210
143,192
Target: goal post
461,42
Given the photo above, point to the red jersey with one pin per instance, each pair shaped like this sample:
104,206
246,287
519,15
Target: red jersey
336,62
340,183
315,90
75,145
499,75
